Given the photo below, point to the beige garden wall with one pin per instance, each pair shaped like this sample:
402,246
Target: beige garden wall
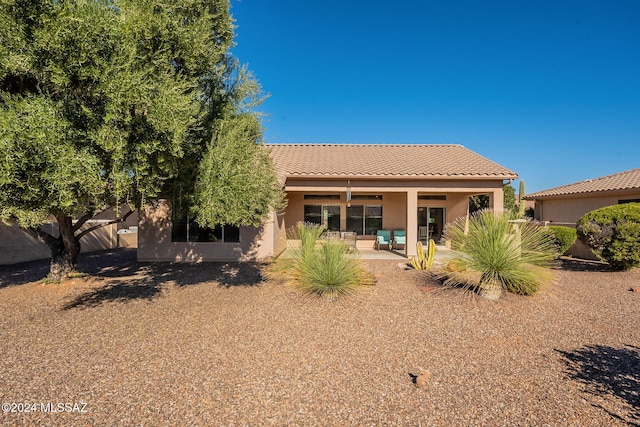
18,246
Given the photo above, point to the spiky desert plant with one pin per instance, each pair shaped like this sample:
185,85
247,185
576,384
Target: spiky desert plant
325,268
329,271
308,234
501,254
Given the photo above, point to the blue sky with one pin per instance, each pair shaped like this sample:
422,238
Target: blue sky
549,89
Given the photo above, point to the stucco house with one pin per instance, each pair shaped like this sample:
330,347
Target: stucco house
566,204
353,189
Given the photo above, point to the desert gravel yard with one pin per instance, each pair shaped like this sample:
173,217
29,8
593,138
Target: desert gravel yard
212,344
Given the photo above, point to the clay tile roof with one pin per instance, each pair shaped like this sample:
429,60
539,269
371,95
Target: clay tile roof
628,180
384,160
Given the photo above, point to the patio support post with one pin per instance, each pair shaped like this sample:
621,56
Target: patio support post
497,200
412,221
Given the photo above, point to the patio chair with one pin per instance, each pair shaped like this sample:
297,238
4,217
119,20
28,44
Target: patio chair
349,238
383,238
399,239
333,235
423,233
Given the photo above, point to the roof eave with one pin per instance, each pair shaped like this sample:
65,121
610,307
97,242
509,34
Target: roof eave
535,196
402,177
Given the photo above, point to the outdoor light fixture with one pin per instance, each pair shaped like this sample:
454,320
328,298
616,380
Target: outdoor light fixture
348,193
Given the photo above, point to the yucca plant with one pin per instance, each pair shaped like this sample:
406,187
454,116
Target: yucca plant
500,254
308,234
324,268
329,272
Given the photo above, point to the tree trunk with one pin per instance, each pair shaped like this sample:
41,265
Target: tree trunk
61,265
64,250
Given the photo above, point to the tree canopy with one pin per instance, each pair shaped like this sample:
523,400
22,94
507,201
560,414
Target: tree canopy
104,102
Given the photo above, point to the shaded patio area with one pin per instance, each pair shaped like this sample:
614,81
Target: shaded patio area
442,255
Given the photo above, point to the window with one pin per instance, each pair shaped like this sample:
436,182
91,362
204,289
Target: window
322,197
325,215
366,197
364,219
622,202
185,229
433,197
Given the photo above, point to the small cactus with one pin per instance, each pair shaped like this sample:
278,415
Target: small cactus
422,260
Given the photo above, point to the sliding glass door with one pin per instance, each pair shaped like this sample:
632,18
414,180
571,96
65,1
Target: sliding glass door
430,223
364,220
326,215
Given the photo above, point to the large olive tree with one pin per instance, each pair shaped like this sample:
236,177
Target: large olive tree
105,102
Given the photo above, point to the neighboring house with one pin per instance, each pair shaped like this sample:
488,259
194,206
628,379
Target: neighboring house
568,203
356,189
565,205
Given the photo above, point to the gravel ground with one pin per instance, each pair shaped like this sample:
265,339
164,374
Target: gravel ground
212,344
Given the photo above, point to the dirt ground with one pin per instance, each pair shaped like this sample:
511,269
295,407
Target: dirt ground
215,344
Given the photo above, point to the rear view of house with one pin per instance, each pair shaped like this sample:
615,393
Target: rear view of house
350,189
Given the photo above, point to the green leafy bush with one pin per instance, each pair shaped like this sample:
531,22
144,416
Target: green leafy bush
325,268
564,237
499,253
613,234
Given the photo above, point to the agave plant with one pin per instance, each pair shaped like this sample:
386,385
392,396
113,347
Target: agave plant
500,253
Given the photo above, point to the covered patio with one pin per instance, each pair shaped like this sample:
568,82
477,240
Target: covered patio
350,189
361,189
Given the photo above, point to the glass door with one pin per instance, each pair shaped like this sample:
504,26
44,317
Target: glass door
326,215
430,224
436,223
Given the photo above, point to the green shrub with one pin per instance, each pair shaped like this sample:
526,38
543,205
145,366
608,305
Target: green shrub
563,237
308,234
500,254
327,272
324,268
613,234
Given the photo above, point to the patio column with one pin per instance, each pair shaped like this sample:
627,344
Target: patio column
412,221
497,200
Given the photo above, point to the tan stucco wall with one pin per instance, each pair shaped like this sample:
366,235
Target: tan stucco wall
394,211
570,210
567,211
154,241
17,246
395,197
